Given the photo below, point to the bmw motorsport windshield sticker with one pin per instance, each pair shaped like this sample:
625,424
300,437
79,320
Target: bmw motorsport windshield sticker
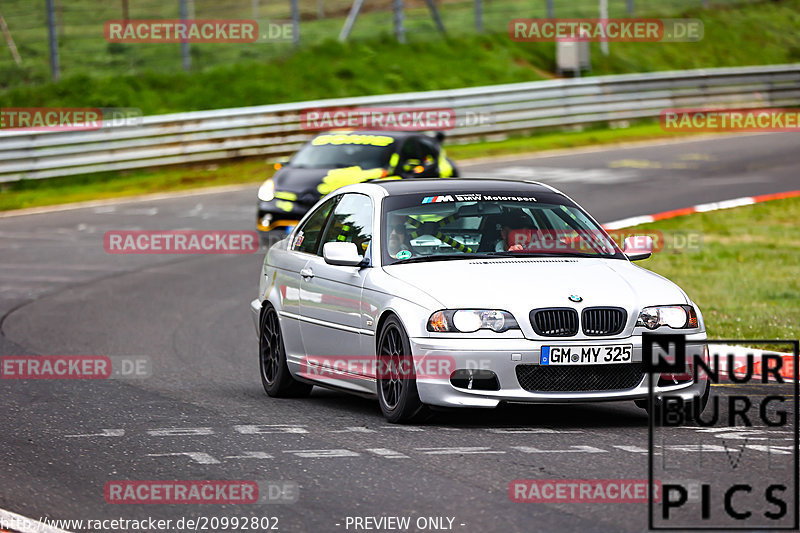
372,140
476,197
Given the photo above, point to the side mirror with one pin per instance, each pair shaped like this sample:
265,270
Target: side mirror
638,247
341,254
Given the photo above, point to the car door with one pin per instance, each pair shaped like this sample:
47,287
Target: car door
303,247
330,295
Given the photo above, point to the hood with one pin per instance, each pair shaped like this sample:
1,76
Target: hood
519,285
321,181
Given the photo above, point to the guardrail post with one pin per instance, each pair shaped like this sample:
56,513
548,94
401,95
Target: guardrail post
186,58
399,28
479,16
295,23
435,14
351,19
604,15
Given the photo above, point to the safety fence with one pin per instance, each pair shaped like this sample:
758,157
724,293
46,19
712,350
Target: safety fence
490,112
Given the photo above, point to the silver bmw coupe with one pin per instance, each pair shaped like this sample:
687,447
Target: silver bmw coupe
464,292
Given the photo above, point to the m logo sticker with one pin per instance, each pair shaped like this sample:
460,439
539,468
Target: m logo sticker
434,199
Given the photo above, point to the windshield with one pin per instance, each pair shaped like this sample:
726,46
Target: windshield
458,226
345,150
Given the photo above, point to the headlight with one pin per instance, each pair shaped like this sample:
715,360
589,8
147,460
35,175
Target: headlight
267,191
469,320
674,316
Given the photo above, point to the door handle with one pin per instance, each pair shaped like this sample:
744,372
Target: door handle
307,273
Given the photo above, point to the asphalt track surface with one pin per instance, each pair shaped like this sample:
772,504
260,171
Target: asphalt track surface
63,440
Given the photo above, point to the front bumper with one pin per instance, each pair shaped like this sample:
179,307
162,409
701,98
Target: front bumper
501,356
279,214
255,314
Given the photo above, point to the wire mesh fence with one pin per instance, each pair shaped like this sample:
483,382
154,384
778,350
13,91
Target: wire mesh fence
82,47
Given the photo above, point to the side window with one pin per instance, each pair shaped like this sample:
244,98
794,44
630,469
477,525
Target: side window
307,237
351,222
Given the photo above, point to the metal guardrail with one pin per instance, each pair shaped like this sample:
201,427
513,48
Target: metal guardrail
275,130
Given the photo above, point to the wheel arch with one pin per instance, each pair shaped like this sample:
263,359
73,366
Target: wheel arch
384,316
381,321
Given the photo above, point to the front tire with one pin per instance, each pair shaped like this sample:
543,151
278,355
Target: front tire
275,376
397,384
697,404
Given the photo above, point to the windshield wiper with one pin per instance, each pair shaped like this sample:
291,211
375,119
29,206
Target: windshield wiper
440,257
547,254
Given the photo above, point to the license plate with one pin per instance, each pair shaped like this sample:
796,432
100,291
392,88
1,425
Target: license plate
586,355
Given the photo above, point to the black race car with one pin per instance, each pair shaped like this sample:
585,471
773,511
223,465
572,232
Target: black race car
334,159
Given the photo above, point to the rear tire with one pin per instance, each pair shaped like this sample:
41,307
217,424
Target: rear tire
397,391
275,376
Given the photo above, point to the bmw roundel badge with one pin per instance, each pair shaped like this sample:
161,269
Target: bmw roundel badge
575,298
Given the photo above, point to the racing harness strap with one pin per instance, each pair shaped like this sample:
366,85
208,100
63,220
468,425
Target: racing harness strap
461,247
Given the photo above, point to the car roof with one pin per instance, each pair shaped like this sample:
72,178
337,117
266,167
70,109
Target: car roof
460,185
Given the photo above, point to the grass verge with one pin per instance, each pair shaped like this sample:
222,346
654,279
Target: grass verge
102,186
149,76
36,193
746,277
